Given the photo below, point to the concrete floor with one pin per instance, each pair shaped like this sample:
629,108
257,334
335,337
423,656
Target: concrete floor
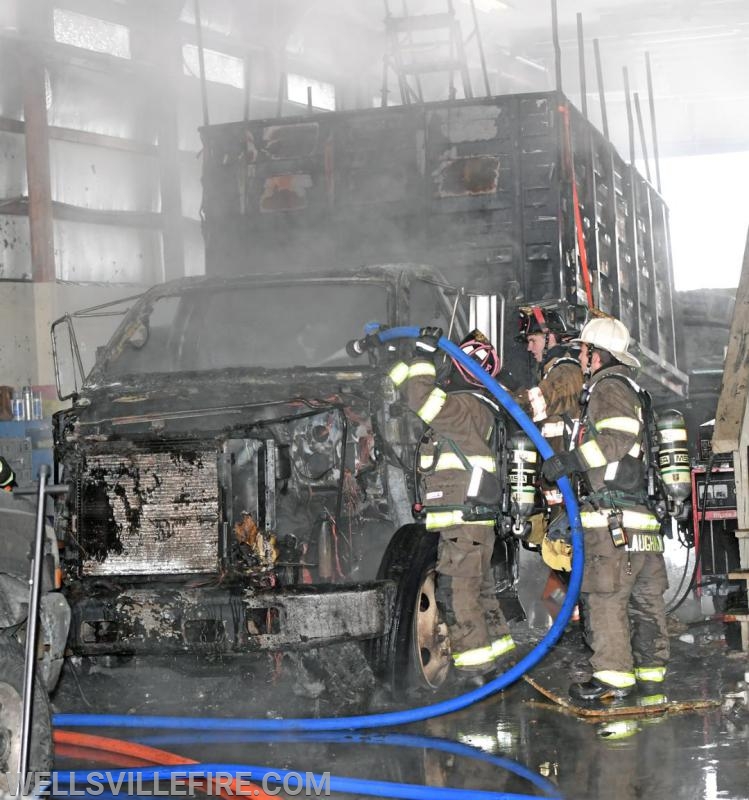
698,754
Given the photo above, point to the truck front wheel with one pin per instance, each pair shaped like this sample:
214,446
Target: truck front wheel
415,652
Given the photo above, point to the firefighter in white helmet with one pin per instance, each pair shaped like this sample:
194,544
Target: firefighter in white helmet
624,574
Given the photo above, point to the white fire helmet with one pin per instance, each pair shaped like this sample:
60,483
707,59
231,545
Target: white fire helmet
608,333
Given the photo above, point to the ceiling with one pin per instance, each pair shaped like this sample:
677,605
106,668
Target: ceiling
698,49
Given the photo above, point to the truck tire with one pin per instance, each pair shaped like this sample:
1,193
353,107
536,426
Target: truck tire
11,711
415,652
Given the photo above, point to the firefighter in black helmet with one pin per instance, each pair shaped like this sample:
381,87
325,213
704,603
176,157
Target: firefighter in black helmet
456,460
553,404
7,476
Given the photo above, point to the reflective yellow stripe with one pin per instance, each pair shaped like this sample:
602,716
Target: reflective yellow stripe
615,678
652,700
538,403
399,373
433,405
438,520
636,520
475,657
592,454
422,368
502,646
619,729
624,424
635,450
453,461
650,674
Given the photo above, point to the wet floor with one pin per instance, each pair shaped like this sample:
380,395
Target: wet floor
513,742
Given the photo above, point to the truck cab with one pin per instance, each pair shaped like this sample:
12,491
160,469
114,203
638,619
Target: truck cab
239,483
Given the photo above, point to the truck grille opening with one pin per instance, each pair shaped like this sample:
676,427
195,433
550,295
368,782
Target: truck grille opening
149,513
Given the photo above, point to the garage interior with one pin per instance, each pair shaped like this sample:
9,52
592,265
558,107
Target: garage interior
146,141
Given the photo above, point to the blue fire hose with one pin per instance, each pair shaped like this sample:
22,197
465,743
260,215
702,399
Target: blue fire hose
414,714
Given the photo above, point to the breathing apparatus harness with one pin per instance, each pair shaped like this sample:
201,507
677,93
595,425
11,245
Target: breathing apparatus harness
484,498
652,492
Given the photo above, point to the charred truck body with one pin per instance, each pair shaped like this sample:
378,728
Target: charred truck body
482,189
238,482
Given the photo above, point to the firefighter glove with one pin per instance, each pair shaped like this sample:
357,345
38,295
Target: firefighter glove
426,344
561,464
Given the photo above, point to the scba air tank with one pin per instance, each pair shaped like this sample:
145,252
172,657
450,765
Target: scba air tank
522,475
673,456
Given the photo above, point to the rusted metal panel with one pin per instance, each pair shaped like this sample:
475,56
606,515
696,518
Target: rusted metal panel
15,253
149,513
12,165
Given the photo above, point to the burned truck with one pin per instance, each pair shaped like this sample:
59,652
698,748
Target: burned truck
240,483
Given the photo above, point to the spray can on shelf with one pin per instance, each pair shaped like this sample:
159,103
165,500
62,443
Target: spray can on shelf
28,403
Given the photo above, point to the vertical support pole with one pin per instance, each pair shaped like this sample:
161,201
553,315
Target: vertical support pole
557,48
651,101
309,99
36,24
247,85
158,42
633,209
480,44
384,87
643,142
630,119
35,585
581,66
281,94
201,63
601,89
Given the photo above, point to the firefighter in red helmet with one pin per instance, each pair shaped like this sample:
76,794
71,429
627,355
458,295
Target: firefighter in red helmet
456,458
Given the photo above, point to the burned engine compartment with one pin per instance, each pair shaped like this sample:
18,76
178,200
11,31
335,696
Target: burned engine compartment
294,496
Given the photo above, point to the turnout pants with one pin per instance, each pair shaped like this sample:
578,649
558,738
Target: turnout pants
465,588
623,596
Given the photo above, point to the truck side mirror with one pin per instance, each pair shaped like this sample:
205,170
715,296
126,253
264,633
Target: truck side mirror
67,358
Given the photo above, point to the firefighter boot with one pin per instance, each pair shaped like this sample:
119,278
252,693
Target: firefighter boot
596,689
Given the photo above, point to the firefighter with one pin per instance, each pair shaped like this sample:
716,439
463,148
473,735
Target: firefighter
624,574
7,476
553,404
461,494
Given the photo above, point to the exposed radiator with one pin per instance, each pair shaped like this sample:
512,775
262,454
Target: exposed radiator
149,513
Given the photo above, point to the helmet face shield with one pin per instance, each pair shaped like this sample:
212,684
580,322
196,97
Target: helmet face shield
477,347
